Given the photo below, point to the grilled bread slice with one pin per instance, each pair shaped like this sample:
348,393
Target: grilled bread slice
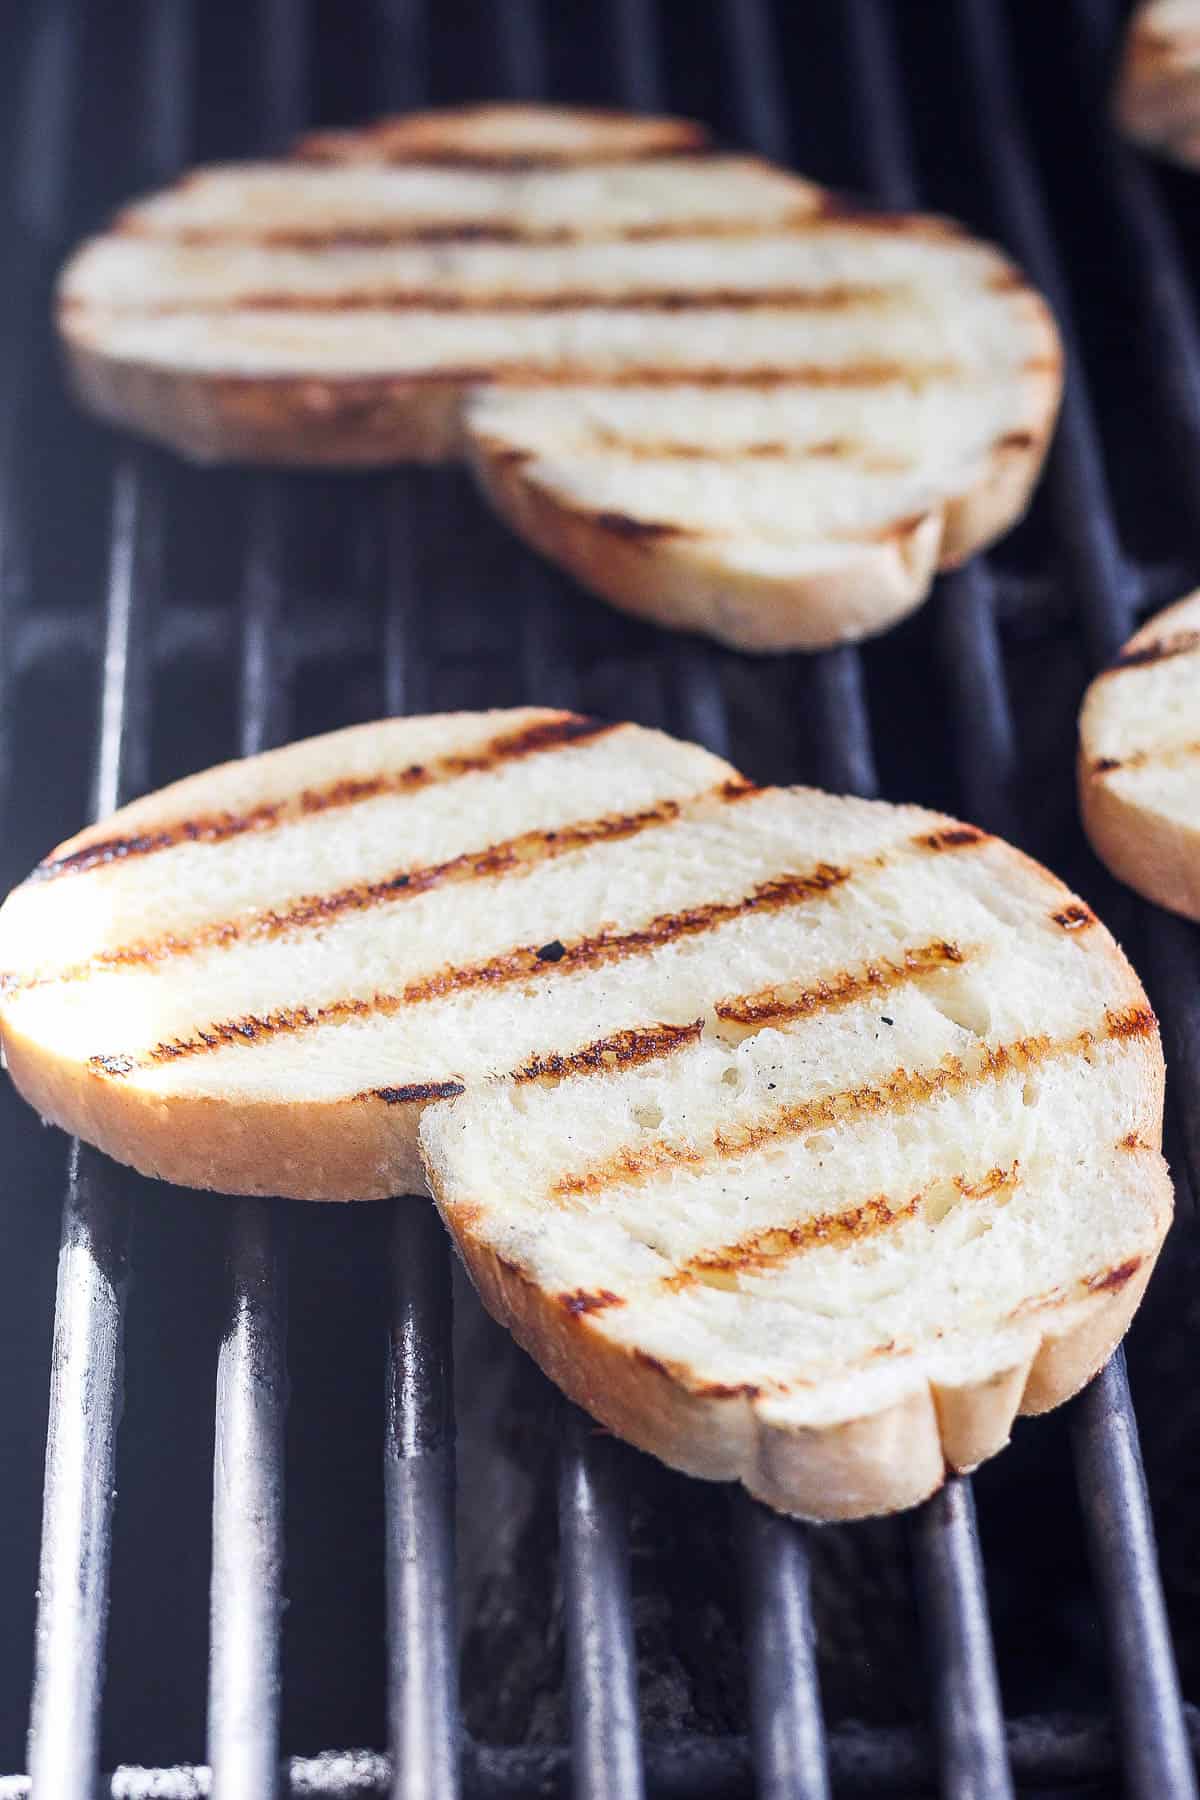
890,1177
253,980
1139,760
720,396
898,1181
1158,91
803,1139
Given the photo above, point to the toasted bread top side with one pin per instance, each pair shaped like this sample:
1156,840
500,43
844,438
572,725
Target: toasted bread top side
496,135
416,906
361,301
895,1166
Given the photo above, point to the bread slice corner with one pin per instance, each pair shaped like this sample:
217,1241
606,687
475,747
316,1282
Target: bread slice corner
1139,755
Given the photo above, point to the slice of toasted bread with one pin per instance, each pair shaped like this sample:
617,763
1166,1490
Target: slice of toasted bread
899,1182
722,397
1139,760
254,979
803,1139
1158,90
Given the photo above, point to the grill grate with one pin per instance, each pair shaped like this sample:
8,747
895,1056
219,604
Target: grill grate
73,153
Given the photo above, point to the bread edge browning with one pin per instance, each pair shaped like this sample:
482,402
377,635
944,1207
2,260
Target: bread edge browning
284,421
353,1148
879,1462
1157,857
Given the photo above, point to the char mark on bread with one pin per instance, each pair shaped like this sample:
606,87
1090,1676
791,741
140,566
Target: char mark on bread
904,1090
216,828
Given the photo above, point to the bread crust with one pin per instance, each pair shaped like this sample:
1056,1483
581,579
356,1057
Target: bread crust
1156,855
1157,97
358,1148
880,1462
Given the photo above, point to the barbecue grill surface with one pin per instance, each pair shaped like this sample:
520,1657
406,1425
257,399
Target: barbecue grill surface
156,618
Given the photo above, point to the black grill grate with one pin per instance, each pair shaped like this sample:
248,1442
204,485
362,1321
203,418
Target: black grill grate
166,674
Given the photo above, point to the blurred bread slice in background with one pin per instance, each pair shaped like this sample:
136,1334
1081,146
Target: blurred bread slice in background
1158,87
721,396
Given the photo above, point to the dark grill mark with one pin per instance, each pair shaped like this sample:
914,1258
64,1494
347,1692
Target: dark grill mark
435,299
601,950
1114,1278
774,1005
583,1302
415,1090
765,1249
1180,643
645,531
217,828
623,1050
469,231
1130,1022
902,1091
591,374
1165,755
515,855
955,837
1076,917
679,450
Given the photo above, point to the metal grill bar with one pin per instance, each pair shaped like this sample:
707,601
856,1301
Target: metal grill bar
419,1496
245,1655
592,1507
246,1602
85,1378
835,679
1104,1433
786,1726
44,137
966,1695
1116,1510
601,1664
244,1677
1076,480
947,1560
